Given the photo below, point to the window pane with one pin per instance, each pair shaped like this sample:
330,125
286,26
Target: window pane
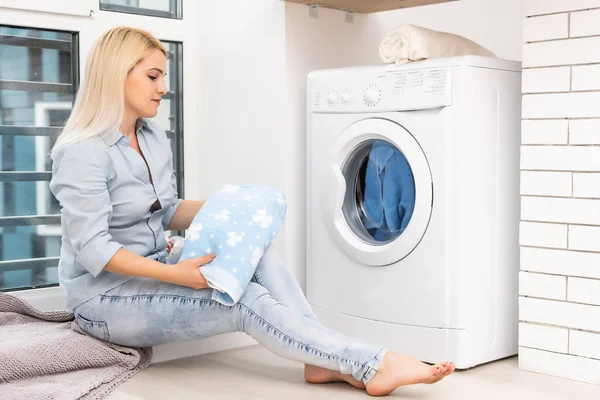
154,8
170,112
38,77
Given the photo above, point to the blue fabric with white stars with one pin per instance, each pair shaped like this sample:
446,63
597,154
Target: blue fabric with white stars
237,223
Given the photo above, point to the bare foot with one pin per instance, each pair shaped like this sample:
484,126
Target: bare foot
399,370
314,374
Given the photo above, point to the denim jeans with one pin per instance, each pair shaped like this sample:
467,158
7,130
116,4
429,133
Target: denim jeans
273,310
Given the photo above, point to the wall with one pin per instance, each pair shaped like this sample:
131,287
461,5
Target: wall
560,163
241,92
311,43
493,24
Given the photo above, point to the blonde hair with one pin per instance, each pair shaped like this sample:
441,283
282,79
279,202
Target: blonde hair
100,102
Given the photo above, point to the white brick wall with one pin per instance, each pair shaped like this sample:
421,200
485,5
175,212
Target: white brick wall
548,27
559,305
562,105
561,52
583,23
586,185
561,158
543,235
537,7
544,183
562,210
544,337
547,132
584,131
560,313
560,262
583,344
584,291
541,80
585,77
586,238
566,366
543,286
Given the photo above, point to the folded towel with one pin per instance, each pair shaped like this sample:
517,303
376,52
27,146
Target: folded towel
389,192
45,355
237,224
411,43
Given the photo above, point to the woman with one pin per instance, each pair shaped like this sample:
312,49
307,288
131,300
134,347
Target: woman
114,180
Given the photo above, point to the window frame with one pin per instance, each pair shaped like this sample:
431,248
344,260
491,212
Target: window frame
176,6
178,154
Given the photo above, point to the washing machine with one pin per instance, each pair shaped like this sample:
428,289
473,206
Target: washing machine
413,206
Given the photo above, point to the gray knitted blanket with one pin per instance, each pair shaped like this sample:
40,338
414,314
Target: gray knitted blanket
44,355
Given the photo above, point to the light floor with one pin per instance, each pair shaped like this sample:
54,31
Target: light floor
255,373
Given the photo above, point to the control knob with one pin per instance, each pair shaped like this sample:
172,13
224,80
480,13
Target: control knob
333,98
372,95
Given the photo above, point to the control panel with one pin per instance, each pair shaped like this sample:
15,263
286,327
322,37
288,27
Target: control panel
353,90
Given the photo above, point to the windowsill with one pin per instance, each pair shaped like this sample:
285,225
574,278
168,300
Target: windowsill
49,299
45,299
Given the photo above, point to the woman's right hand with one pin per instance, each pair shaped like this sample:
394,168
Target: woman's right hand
189,274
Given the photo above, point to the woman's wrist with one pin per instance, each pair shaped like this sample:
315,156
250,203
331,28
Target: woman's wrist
163,272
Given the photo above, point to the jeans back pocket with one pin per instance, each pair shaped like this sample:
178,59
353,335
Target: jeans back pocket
97,329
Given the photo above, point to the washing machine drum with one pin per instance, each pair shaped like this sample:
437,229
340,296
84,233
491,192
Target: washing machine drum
379,192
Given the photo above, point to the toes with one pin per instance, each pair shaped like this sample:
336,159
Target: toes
450,367
438,369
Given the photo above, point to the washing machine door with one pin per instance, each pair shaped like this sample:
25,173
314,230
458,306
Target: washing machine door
378,194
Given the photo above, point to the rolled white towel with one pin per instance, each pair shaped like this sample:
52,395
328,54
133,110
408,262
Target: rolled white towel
411,43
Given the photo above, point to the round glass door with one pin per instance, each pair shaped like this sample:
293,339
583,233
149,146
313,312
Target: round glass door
377,197
380,192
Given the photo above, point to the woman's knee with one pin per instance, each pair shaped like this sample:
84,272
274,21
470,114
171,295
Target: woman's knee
253,306
269,263
254,295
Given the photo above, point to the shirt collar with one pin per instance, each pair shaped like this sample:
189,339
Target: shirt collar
115,136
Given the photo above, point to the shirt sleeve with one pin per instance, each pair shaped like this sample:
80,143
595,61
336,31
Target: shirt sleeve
172,208
79,183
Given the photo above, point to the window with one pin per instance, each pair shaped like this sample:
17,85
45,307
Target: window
39,75
38,78
170,113
153,8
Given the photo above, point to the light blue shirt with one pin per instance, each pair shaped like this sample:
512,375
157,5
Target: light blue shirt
108,203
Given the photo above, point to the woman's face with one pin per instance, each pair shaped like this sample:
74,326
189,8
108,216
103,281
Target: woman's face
145,85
